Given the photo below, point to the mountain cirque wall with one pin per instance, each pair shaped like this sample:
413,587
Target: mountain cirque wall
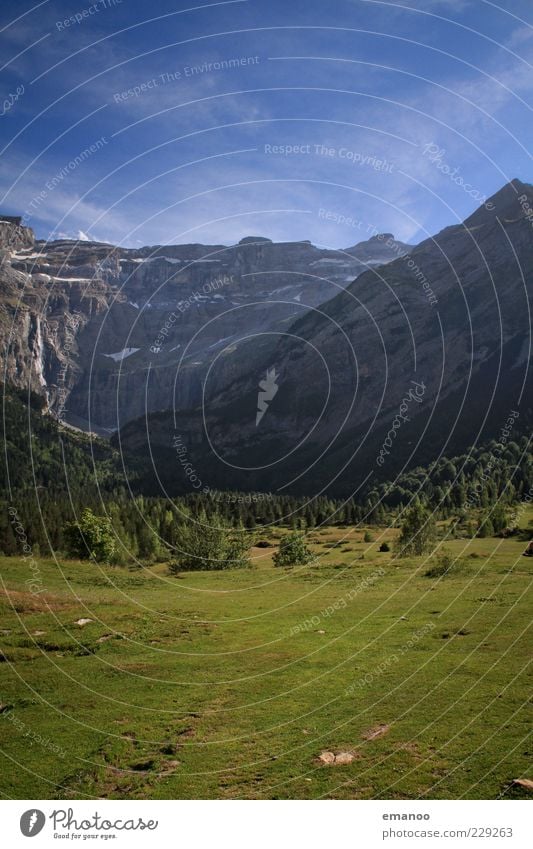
87,324
426,354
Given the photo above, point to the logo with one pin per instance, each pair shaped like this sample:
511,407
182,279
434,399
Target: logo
32,822
268,388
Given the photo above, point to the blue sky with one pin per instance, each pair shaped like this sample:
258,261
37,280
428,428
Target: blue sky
164,122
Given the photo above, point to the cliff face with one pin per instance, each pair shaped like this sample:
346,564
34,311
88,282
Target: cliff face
101,331
42,317
416,357
14,235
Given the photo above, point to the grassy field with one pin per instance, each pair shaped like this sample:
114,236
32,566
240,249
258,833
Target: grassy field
232,684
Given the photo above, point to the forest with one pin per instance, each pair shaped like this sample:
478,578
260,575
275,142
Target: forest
54,473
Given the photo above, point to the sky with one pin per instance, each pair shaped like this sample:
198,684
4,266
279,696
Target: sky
164,122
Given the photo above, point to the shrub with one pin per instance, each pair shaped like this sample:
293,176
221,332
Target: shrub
91,538
263,543
445,563
384,546
210,544
368,537
293,551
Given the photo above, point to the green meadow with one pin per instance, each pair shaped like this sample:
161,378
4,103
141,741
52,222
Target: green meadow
234,684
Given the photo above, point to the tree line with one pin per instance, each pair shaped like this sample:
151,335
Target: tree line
50,475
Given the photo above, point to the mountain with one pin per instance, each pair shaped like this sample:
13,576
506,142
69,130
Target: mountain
41,454
420,357
99,331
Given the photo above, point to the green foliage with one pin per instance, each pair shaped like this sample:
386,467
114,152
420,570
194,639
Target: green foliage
368,537
485,527
91,538
55,473
210,544
418,532
444,564
293,551
39,453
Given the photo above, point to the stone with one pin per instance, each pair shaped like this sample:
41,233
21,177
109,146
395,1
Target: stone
527,783
344,758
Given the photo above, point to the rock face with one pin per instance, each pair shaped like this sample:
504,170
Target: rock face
426,354
13,235
101,331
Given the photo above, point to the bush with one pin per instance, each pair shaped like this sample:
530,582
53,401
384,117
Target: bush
263,543
418,532
293,551
445,563
368,537
384,546
91,538
210,544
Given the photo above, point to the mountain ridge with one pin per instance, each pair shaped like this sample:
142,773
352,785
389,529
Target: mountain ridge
382,332
71,310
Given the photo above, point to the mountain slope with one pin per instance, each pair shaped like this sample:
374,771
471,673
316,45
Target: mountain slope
436,341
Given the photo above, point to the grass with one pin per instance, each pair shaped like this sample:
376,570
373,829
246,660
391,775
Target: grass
231,684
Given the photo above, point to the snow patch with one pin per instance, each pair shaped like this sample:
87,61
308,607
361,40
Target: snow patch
330,262
72,279
121,355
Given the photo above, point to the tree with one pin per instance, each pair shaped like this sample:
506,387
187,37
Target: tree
499,518
92,537
368,537
485,528
293,551
417,533
212,544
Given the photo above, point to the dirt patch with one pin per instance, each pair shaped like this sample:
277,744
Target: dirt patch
168,767
186,733
375,732
26,602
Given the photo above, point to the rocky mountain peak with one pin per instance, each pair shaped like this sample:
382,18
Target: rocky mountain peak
504,204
